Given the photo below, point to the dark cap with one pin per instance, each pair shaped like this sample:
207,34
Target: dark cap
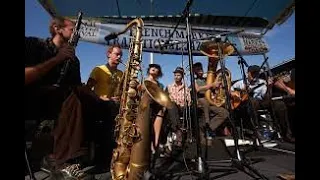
156,66
197,64
179,70
254,69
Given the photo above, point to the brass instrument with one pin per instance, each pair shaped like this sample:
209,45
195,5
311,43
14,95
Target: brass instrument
210,49
131,157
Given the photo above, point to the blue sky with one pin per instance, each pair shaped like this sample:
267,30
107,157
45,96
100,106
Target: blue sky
281,41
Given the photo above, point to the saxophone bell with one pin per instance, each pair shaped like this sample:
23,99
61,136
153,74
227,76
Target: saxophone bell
158,94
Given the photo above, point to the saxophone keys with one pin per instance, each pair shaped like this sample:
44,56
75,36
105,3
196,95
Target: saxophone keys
130,116
133,84
132,93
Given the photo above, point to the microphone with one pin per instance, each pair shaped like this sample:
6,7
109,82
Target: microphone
217,38
111,36
241,60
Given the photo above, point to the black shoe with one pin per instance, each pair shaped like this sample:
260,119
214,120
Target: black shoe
289,139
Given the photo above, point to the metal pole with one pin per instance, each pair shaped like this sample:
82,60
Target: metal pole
151,58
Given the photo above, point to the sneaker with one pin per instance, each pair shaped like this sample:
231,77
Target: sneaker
73,171
287,176
269,144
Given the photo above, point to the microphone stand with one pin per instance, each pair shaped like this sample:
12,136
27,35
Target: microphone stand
269,92
250,110
194,116
193,90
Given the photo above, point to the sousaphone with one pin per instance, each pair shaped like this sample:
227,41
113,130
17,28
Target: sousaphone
211,49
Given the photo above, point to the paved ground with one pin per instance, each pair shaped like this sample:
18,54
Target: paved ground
281,159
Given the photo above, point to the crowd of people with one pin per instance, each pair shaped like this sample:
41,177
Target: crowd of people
75,107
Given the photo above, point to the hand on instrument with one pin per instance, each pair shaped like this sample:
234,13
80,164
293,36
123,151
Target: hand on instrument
66,52
291,92
216,84
115,98
270,81
104,97
235,95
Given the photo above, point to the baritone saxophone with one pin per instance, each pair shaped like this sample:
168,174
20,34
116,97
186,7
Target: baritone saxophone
131,157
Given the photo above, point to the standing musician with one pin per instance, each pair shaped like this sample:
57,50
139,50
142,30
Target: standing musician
179,94
104,80
221,114
258,90
154,72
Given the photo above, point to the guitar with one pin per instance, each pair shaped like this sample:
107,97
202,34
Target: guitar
238,96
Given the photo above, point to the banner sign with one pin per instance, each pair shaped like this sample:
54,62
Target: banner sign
95,32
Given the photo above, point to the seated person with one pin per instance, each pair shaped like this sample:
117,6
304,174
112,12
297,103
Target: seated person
220,113
257,91
284,86
69,104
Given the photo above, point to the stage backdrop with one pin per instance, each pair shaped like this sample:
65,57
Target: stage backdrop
247,43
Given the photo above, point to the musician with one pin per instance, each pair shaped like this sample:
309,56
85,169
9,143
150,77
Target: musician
258,91
284,86
103,81
43,63
154,72
221,114
67,104
179,94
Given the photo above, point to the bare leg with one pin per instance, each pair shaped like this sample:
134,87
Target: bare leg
157,127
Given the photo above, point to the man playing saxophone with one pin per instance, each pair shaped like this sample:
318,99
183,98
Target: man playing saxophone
104,80
221,114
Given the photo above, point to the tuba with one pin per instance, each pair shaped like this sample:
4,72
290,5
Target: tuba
131,156
211,49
